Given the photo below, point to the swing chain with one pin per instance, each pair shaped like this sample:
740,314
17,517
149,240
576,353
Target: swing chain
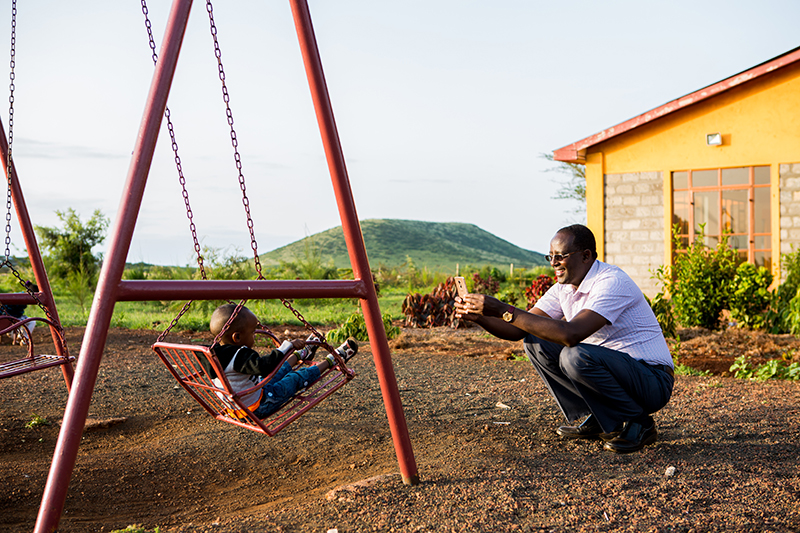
178,164
10,178
242,186
234,139
237,157
9,161
174,321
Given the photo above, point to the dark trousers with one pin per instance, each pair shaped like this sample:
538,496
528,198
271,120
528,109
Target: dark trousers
588,379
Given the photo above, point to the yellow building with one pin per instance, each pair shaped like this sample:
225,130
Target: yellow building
726,157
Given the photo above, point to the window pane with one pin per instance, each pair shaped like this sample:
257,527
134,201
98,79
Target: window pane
762,222
735,176
761,175
734,211
705,178
741,257
763,259
680,205
738,242
706,211
763,242
680,180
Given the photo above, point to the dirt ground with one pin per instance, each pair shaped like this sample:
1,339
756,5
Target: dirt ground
482,429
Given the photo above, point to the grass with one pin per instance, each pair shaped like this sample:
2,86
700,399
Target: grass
683,370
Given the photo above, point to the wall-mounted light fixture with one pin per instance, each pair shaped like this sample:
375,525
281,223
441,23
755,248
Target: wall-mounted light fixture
714,139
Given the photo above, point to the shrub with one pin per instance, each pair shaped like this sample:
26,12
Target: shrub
537,289
488,285
699,281
782,315
750,295
662,309
355,327
773,369
434,309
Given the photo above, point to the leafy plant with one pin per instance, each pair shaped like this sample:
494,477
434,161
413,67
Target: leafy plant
37,421
790,317
510,295
355,327
683,370
488,285
537,289
750,296
80,285
782,316
699,280
137,529
772,369
434,309
662,309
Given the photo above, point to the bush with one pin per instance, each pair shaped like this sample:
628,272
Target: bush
355,327
750,296
434,309
662,309
537,289
773,369
699,281
488,285
783,314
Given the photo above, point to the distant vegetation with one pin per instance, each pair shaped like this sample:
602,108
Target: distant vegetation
406,257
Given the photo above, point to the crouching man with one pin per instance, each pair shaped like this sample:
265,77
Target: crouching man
595,342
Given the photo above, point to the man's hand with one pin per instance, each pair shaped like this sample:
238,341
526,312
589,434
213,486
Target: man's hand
472,306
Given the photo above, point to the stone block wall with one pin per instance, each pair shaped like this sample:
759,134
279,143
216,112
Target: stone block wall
634,220
790,207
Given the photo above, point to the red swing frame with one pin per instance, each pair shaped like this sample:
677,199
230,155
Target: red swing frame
112,288
44,297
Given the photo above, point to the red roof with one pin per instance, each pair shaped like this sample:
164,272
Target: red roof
575,152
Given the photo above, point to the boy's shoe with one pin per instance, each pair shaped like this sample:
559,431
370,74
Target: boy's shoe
308,352
348,349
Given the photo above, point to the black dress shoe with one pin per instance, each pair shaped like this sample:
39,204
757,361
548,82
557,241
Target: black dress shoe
633,437
588,429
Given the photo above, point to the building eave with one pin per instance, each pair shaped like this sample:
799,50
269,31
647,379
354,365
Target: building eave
576,152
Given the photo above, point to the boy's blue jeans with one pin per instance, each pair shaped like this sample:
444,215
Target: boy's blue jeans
283,386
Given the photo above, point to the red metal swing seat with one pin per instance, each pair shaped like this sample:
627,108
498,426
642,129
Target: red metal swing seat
32,361
195,366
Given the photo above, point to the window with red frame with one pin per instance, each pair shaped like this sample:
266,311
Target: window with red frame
732,201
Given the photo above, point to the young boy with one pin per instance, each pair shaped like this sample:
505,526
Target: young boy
244,367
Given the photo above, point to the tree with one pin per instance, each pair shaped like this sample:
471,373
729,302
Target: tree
574,187
69,248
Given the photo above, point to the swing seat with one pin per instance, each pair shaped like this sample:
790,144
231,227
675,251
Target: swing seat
33,361
195,366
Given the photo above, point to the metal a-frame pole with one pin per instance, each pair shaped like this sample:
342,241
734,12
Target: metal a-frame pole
66,452
111,288
45,292
354,240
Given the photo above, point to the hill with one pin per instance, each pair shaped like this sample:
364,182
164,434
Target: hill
436,245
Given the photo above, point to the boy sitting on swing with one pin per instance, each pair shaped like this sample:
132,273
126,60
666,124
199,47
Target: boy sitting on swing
244,367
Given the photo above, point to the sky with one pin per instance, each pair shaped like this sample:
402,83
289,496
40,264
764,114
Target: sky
444,108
